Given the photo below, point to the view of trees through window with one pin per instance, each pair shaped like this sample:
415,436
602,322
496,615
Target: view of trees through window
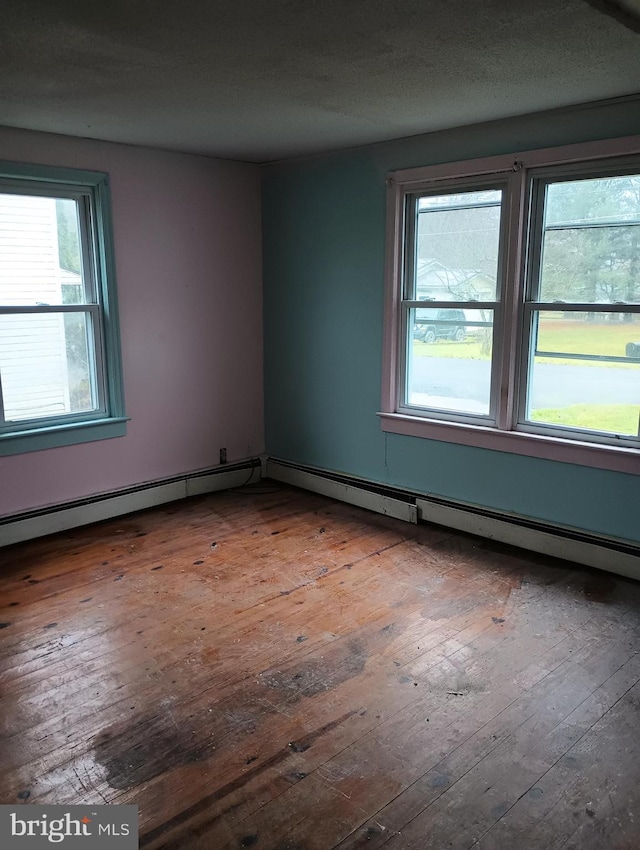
590,253
75,327
582,359
591,246
68,242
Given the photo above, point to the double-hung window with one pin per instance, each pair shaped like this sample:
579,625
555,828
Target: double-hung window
60,376
513,304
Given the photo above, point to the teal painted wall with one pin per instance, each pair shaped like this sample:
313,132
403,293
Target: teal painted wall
323,248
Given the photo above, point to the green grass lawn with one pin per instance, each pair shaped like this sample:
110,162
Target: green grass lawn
557,335
616,418
467,350
565,336
575,337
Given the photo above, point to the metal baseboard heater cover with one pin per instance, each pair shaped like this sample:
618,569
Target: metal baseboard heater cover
610,554
343,488
27,526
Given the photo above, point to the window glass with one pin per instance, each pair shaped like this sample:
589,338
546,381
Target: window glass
513,303
585,371
581,372
59,356
591,241
450,360
449,348
40,257
593,201
457,246
46,366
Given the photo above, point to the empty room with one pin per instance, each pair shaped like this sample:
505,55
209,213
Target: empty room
320,424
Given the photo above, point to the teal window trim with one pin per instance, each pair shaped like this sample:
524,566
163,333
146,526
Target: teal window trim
106,273
37,439
74,177
109,422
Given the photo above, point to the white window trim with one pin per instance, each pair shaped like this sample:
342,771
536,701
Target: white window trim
502,436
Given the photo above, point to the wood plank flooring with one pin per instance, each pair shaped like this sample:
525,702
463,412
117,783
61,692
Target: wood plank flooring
268,668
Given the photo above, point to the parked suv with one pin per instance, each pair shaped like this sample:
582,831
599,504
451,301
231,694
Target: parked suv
440,324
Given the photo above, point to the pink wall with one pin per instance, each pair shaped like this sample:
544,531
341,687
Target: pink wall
188,263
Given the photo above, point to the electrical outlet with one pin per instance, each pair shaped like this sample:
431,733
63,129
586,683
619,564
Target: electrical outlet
223,455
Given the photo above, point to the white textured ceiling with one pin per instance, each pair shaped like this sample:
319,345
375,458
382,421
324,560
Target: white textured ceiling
267,79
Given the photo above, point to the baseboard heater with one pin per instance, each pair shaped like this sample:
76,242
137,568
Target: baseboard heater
605,553
31,524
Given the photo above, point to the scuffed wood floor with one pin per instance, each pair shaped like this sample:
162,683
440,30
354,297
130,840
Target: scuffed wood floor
267,668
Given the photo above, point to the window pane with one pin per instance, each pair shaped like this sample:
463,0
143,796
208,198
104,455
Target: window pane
598,265
457,246
574,380
593,201
591,245
45,365
39,251
461,199
449,360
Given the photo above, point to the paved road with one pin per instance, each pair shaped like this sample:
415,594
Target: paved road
554,385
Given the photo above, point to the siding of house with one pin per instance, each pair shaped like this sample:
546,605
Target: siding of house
33,363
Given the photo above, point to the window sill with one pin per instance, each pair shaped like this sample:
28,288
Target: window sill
614,458
38,439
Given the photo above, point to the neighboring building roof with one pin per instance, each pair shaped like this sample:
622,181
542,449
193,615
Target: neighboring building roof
438,280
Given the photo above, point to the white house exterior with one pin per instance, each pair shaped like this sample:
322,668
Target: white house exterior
33,358
436,282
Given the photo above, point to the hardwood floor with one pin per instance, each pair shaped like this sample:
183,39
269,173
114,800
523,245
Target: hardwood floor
267,668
